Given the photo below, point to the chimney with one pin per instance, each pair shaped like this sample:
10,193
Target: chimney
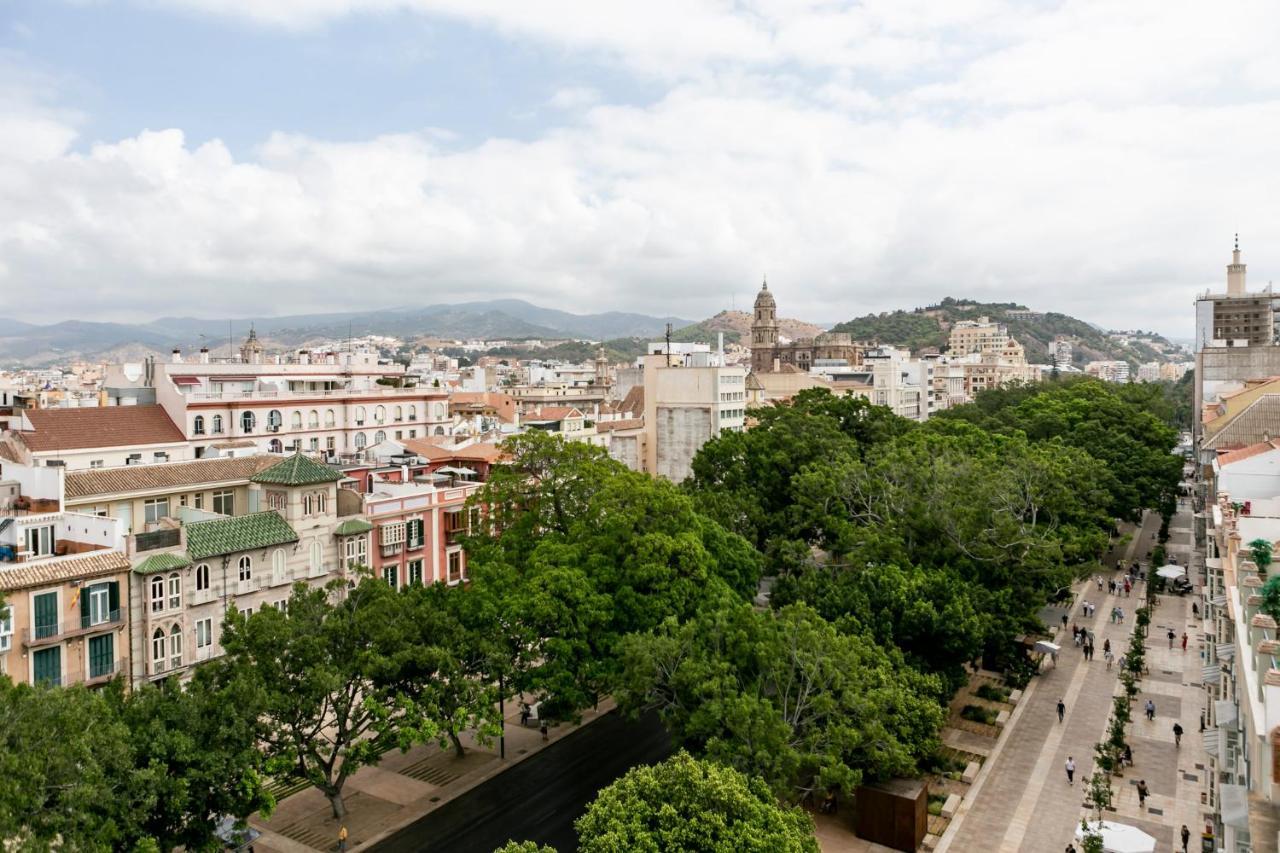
204,355
177,355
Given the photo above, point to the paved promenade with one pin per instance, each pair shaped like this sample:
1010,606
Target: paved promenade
1022,802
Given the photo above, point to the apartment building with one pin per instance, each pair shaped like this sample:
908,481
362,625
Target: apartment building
977,337
97,437
687,402
331,405
64,577
292,532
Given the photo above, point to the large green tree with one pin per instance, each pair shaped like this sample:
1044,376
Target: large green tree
330,679
784,696
692,806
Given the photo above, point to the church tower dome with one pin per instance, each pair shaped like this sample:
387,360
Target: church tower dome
764,329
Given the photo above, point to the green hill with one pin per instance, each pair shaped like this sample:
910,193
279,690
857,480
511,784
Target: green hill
929,327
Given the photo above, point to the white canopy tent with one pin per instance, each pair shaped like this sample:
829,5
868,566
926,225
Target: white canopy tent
1119,837
1171,571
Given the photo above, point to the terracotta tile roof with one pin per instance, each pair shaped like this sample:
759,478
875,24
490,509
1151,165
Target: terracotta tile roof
99,426
627,423
480,451
243,533
1247,452
44,572
143,478
634,401
298,470
9,453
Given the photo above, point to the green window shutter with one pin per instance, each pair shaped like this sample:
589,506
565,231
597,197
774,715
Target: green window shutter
101,655
84,605
46,614
113,596
46,666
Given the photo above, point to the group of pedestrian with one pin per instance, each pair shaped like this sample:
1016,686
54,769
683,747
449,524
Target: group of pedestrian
1117,615
1173,635
1088,608
1121,587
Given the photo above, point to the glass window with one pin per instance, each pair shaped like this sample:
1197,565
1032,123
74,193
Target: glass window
217,424
296,421
415,571
399,413
99,604
204,633
175,647
380,414
197,500
413,413
246,568
277,566
157,594
224,503
389,575
155,509
274,419
275,445
329,418
46,666
356,551
317,556
40,540
6,628
175,591
246,612
157,650
102,656
379,437
307,507
329,444
313,419
359,415
361,441
455,566
202,577
197,426
248,420
315,442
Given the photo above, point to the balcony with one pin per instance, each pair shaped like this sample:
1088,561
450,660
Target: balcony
103,674
43,635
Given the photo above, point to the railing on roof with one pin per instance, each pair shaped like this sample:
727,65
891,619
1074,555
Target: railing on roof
379,391
156,539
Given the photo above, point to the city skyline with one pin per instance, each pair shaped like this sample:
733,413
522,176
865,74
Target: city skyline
192,158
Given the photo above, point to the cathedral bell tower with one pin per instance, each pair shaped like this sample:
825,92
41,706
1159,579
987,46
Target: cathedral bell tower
764,331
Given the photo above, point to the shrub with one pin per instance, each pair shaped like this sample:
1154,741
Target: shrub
991,692
978,714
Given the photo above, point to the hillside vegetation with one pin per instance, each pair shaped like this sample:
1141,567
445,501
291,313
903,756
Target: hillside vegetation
929,327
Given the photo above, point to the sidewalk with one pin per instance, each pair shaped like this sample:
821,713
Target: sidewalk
1022,802
403,788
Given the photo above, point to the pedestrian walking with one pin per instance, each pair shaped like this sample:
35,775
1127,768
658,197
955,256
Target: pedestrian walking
1186,837
1062,710
1151,710
1114,611
342,838
1195,610
1172,637
1128,755
1064,621
1071,770
1177,734
1126,589
1098,578
545,734
1142,793
1109,657
1184,641
1120,614
1071,848
524,713
1106,646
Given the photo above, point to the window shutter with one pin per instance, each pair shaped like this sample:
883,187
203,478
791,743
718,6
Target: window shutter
1275,755
113,596
84,605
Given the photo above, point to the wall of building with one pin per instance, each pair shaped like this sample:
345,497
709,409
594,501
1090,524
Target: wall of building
680,432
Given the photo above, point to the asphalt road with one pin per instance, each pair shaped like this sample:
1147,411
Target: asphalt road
539,798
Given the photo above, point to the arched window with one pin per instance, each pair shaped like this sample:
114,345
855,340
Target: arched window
217,425
360,441
413,413
296,420
175,647
277,566
157,650
306,504
321,500
440,412
359,415
313,419
246,568
175,591
379,437
317,556
380,414
439,430
274,419
248,421
329,419
399,413
197,427
202,577
275,445
157,594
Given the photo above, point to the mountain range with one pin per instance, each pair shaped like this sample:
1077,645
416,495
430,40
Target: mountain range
31,344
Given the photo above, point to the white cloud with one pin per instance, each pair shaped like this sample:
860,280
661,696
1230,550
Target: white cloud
1082,157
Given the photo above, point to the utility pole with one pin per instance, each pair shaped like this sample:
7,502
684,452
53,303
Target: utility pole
668,345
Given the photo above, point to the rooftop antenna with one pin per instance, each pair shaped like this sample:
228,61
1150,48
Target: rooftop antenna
668,345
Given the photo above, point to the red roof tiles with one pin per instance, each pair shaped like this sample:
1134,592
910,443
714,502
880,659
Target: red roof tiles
105,426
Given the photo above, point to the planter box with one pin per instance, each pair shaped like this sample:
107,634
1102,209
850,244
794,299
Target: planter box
970,772
951,806
1002,719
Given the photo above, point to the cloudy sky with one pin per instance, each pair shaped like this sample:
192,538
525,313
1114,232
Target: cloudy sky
239,157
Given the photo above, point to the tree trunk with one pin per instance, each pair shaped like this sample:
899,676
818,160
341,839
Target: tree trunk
335,801
458,751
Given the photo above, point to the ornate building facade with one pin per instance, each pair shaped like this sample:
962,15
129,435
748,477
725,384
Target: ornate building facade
770,355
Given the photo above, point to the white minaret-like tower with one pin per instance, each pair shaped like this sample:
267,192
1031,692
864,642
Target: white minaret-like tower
1235,272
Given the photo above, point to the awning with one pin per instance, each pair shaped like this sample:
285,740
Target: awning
1233,801
451,470
1225,713
1211,674
1225,651
1218,601
247,377
1212,740
185,380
